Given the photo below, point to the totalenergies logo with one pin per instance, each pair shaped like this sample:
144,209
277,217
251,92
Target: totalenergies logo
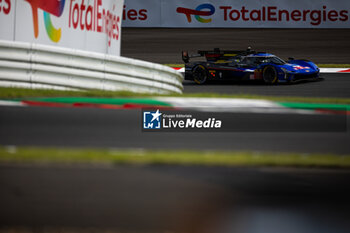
209,10
54,7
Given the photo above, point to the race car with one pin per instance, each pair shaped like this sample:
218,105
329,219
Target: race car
247,65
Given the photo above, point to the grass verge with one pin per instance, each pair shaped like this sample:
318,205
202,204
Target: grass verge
11,154
20,93
12,93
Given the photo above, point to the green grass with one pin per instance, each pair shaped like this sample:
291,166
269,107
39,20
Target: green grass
175,65
333,65
100,100
12,154
11,93
19,93
310,106
319,65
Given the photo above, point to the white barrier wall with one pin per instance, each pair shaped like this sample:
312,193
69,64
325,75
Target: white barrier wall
90,25
237,13
41,66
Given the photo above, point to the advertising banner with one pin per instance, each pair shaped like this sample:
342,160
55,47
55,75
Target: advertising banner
238,13
141,13
91,25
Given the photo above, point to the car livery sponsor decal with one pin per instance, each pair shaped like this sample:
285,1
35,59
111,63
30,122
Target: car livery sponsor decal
297,67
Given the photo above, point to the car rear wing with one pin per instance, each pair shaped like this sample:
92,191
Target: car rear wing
216,54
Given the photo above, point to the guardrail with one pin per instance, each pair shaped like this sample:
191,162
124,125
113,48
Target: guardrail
41,66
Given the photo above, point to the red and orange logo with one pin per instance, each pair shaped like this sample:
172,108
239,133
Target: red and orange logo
54,7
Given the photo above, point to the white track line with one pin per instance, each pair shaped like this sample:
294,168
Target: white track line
230,105
11,103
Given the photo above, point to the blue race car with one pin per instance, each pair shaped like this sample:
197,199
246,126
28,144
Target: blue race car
247,65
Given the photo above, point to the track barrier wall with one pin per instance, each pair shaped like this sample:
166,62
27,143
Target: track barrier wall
41,66
73,44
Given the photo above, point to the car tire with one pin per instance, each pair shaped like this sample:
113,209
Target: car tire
270,75
200,74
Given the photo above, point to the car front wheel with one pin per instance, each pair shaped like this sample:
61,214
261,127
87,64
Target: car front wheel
270,75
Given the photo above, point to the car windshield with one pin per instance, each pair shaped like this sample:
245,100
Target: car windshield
277,60
259,60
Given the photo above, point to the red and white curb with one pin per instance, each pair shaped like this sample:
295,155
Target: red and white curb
180,69
12,103
322,70
334,70
198,104
229,105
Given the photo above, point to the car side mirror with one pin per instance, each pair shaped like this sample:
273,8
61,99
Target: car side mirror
290,58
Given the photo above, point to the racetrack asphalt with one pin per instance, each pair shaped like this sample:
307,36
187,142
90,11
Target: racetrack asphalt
336,85
158,199
92,127
164,45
